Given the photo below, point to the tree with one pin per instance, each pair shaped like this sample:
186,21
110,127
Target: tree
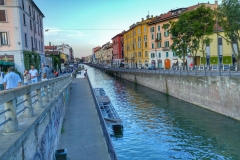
191,31
228,17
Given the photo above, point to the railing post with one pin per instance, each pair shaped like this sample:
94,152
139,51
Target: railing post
12,125
50,89
28,112
39,98
45,98
56,87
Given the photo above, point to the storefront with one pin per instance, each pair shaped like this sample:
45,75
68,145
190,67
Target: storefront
6,61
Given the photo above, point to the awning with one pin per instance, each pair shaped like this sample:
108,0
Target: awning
175,61
3,63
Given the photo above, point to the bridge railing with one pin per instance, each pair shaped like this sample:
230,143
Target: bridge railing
30,97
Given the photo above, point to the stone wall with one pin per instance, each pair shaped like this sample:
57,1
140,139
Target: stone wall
38,138
219,94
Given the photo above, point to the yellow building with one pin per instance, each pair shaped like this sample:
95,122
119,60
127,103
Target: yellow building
135,44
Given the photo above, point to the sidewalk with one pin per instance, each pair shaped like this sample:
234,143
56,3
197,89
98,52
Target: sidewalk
83,135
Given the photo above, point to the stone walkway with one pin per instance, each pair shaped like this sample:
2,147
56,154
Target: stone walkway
82,135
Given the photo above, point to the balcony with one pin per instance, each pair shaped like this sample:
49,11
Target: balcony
166,48
158,39
172,37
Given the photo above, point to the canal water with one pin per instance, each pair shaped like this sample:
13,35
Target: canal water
161,127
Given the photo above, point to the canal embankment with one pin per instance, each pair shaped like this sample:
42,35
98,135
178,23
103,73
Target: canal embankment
218,94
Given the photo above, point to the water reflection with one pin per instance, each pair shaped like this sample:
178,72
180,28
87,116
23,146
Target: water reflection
157,126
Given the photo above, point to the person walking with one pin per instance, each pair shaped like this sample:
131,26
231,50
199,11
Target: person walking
34,74
11,80
44,72
55,73
26,77
1,80
85,73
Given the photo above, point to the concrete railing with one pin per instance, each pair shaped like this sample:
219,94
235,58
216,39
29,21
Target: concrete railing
34,97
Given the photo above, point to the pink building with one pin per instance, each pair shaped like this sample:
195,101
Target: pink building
118,48
21,29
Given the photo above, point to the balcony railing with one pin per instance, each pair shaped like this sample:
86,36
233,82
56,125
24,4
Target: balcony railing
166,48
158,39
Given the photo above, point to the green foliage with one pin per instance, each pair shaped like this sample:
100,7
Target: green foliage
227,15
56,62
31,58
191,31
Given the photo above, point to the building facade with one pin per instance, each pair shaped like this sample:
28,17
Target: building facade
159,40
118,52
21,29
136,45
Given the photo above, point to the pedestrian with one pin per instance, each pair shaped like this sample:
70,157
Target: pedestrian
85,73
26,77
1,80
34,74
191,65
55,73
48,72
44,72
11,80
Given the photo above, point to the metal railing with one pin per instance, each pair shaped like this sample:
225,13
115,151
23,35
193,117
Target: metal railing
31,97
211,70
110,147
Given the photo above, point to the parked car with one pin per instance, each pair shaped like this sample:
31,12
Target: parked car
151,68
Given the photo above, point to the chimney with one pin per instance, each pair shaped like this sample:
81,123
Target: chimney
49,43
216,2
142,19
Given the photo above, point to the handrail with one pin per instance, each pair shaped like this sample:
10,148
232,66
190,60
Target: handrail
43,91
111,149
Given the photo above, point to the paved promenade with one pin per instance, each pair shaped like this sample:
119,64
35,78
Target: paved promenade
82,135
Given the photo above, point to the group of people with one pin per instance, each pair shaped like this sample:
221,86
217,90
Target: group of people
12,80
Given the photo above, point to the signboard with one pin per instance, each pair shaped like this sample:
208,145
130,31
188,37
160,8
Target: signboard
7,58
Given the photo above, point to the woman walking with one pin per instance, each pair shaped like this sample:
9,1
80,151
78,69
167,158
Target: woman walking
26,77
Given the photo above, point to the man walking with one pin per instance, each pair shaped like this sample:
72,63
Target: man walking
44,72
11,80
34,74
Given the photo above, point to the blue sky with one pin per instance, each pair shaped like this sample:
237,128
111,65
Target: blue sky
85,24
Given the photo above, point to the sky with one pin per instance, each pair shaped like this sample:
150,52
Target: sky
85,24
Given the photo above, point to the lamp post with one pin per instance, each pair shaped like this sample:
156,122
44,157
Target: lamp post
46,30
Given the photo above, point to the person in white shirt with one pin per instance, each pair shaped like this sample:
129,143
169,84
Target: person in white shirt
11,80
34,74
1,80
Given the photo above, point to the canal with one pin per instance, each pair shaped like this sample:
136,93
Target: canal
162,127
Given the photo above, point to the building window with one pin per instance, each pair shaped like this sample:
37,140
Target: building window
152,55
139,39
2,2
139,54
4,38
23,4
219,41
158,28
159,36
146,54
36,44
152,29
152,36
3,16
152,45
139,31
159,55
139,45
166,54
166,44
145,44
30,24
174,54
159,45
166,33
39,46
30,13
145,29
37,19
145,38
25,37
24,20
32,42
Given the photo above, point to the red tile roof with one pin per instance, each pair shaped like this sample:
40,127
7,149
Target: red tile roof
49,53
120,34
50,47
